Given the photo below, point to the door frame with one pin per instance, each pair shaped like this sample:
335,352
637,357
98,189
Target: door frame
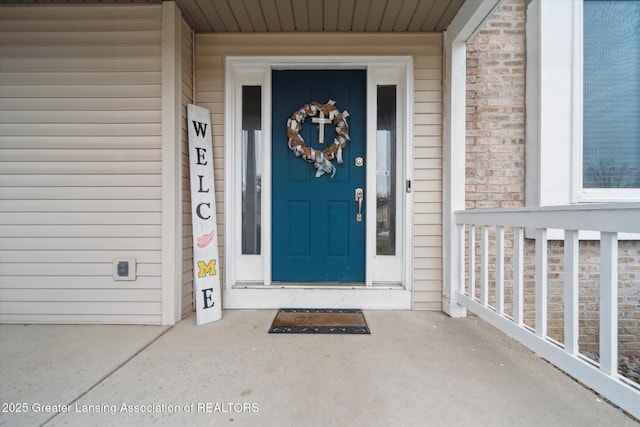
247,278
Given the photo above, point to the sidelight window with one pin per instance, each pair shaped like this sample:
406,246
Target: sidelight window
386,171
251,169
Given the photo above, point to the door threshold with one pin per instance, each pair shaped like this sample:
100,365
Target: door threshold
317,285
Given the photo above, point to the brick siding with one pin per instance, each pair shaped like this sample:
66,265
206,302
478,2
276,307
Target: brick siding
495,111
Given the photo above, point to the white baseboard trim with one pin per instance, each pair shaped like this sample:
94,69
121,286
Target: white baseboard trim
273,298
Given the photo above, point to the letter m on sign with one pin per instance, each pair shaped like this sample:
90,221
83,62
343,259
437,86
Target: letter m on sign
207,269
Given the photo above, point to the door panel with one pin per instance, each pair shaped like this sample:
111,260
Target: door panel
315,234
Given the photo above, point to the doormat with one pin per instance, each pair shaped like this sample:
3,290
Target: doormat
319,321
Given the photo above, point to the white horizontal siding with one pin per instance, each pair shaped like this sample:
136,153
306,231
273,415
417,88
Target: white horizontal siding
81,205
107,18
79,218
80,129
73,104
80,193
81,282
90,231
76,243
80,163
67,180
90,65
81,295
66,26
427,183
46,79
81,117
82,308
64,318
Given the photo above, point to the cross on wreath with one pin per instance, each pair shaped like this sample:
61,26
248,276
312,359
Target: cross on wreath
321,121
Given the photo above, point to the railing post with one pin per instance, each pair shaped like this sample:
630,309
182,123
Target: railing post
571,291
500,269
518,275
609,303
541,282
472,261
461,265
484,265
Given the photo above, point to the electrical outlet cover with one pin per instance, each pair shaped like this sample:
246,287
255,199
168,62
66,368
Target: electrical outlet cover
124,268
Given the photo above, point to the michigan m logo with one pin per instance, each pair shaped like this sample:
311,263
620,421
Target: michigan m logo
207,269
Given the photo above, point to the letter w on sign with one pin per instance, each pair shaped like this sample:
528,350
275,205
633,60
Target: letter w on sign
200,128
206,282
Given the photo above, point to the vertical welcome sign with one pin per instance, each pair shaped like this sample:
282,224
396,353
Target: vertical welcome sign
206,282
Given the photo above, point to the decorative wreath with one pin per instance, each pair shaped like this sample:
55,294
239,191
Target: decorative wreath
320,159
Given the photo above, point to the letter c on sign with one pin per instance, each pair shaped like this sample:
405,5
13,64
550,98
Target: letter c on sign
199,213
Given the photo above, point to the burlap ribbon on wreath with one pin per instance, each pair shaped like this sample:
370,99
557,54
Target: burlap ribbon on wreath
321,159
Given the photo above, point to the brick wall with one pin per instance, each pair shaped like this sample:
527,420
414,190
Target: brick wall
495,165
495,110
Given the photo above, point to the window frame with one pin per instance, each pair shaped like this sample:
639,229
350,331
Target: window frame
588,194
554,105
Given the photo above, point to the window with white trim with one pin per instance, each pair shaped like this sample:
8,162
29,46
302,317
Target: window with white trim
583,108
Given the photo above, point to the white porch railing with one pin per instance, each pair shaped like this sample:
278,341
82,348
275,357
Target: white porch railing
609,220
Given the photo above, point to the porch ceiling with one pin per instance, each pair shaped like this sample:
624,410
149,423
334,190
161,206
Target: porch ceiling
261,16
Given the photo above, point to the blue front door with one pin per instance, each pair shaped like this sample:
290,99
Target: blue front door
316,234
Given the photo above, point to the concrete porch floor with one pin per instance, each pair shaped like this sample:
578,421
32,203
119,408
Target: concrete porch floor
415,369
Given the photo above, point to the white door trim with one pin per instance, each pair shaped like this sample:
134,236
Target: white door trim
247,278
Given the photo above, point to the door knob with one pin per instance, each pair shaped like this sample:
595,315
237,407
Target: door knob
359,199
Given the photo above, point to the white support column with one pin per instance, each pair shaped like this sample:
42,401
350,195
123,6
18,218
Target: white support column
455,100
171,163
571,260
466,21
541,282
609,303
